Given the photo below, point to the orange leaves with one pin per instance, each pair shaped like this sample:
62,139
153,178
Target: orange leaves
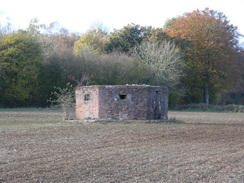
207,30
214,43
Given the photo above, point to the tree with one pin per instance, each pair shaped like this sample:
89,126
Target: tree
20,65
164,60
125,39
214,45
4,30
157,34
113,68
94,41
57,45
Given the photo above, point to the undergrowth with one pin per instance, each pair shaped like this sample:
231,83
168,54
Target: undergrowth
210,108
27,109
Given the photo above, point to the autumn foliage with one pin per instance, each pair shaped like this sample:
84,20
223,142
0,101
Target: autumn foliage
213,48
196,55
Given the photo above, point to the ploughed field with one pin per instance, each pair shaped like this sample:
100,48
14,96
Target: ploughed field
194,147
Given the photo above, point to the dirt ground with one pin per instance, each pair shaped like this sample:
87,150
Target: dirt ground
195,147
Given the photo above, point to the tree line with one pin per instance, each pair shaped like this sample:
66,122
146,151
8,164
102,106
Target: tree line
197,55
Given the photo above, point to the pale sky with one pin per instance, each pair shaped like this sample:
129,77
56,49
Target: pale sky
79,15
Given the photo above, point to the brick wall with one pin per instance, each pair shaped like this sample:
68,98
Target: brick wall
122,102
87,108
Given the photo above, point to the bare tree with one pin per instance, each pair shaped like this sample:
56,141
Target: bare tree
5,29
164,60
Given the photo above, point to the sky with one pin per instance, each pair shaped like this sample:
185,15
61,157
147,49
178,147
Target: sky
79,15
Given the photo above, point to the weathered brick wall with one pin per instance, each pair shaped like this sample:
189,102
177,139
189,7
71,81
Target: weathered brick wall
87,109
157,103
122,102
133,106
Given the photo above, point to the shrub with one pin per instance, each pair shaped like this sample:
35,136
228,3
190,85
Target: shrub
65,97
210,108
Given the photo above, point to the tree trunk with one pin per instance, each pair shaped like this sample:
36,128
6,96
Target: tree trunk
206,94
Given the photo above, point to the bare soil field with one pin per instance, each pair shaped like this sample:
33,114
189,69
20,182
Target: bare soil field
196,147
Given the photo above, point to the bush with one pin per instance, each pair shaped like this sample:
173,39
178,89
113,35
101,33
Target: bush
210,108
65,97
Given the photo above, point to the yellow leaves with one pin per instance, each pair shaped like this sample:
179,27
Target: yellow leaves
93,40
